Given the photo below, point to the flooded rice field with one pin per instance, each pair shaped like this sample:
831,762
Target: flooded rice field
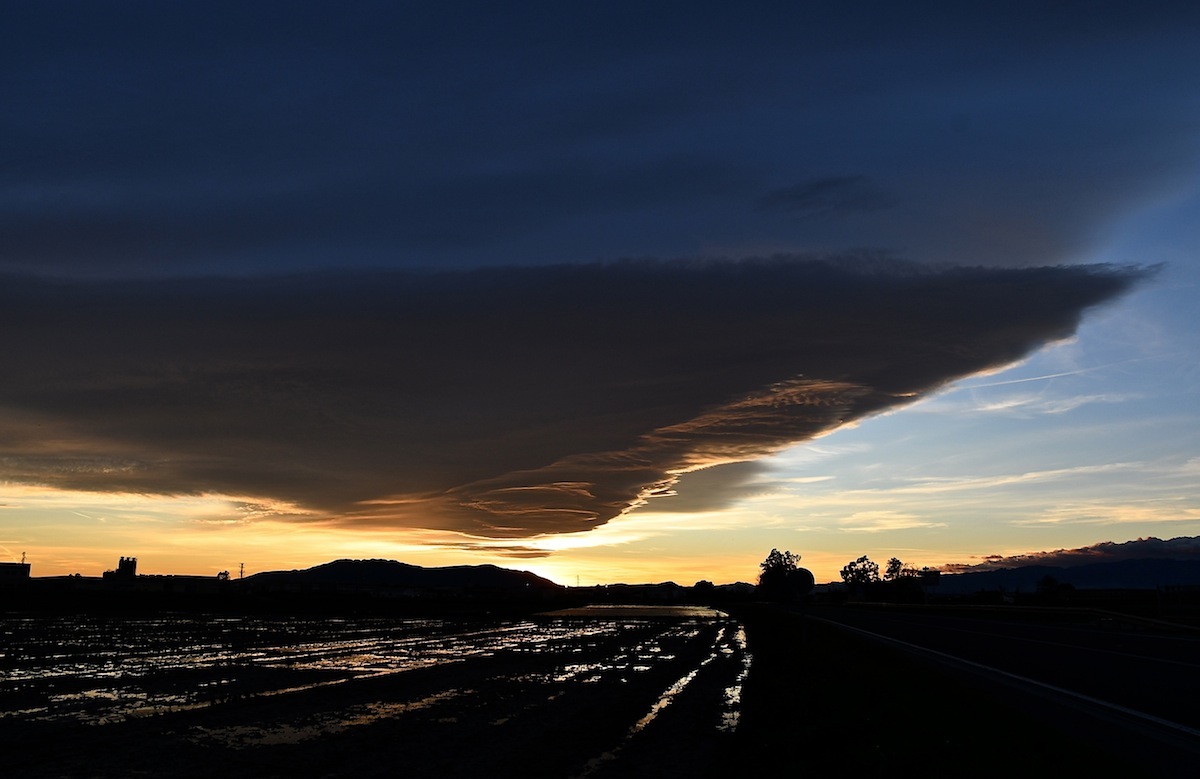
592,694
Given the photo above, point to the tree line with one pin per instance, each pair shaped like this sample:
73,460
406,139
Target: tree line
865,571
780,576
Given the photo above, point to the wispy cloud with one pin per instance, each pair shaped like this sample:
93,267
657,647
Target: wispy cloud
1034,405
1117,513
881,521
937,484
149,507
807,479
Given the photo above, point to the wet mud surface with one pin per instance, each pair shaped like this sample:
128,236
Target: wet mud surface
252,697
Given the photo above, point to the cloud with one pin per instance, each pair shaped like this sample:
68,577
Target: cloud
159,139
1182,548
709,489
504,403
827,198
1035,404
319,214
933,485
1108,512
880,521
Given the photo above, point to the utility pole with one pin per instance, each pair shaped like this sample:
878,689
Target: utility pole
241,570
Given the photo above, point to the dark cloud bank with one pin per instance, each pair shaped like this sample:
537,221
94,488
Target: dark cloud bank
834,197
189,138
502,403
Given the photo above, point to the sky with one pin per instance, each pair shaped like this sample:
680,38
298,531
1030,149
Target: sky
608,292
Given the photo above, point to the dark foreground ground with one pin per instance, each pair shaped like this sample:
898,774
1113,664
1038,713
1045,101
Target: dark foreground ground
652,698
831,702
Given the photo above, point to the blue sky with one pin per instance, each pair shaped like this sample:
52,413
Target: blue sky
218,220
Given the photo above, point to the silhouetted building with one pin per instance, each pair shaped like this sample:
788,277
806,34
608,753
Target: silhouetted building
13,574
126,569
127,579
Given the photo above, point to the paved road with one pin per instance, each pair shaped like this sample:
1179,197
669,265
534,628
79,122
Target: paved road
1143,680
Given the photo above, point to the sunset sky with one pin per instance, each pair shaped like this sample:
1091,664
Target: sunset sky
608,292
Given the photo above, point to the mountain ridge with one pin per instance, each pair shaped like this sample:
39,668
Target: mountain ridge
1135,574
393,574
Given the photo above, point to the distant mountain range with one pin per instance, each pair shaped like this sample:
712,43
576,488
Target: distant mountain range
392,575
1144,574
1150,548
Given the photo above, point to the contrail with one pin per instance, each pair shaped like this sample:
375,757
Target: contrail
1092,369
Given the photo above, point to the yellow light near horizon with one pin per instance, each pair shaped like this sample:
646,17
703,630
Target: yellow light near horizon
65,532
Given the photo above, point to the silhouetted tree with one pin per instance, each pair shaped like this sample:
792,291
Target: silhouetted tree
898,571
1052,590
903,583
777,565
781,578
1047,585
861,572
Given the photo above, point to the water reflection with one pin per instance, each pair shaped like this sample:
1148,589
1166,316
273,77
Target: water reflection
242,736
727,647
97,670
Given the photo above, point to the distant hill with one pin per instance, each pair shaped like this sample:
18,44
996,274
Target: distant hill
1145,574
383,575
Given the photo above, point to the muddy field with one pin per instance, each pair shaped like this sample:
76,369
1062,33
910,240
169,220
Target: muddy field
604,694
